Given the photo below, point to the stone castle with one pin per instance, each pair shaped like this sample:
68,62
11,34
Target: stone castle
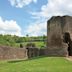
59,36
59,41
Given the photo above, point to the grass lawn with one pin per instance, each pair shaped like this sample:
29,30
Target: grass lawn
44,64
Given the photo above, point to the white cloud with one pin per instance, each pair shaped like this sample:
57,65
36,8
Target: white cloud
36,29
35,1
54,8
21,3
9,27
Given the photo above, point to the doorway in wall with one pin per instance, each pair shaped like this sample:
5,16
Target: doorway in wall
67,40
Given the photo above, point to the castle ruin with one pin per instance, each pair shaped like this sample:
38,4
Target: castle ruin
59,36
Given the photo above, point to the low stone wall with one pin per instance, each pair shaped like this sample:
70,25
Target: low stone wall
12,53
42,52
8,53
35,52
32,52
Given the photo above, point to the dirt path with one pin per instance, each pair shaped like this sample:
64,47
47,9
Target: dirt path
69,58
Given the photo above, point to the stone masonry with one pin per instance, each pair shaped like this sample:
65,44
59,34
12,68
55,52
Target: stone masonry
57,27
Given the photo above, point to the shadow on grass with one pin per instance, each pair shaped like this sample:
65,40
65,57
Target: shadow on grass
29,59
15,61
21,60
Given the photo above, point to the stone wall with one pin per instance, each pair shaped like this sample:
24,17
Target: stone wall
35,52
8,53
12,53
57,26
32,52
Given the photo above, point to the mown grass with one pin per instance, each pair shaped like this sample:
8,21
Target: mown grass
45,64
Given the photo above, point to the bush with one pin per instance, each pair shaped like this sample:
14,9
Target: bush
21,46
29,45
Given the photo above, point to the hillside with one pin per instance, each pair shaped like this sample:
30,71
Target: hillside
15,41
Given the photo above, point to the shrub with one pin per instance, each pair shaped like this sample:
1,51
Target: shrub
29,45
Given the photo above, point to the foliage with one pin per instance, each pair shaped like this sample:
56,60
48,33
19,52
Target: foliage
30,45
21,45
15,41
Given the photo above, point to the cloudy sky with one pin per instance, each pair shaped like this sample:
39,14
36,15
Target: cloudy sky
21,17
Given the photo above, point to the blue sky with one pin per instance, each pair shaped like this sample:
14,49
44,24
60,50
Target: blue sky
21,17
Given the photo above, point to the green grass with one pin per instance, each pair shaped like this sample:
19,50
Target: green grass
45,64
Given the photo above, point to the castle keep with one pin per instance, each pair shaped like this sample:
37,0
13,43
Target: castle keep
59,36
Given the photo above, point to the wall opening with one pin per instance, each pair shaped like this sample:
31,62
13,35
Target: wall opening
67,40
